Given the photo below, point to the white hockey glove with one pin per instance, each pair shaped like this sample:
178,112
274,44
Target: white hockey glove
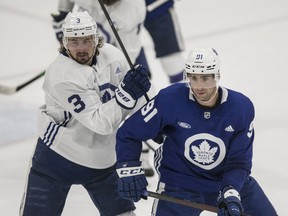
229,202
132,181
135,84
58,20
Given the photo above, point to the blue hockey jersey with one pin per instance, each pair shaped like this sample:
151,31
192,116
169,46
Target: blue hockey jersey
156,8
205,149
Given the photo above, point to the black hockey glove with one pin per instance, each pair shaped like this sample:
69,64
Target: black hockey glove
229,202
134,85
159,138
58,20
132,181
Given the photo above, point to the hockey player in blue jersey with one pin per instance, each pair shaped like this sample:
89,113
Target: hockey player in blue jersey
206,156
89,90
162,25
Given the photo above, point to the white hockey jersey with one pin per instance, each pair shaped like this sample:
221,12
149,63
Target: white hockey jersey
127,16
81,116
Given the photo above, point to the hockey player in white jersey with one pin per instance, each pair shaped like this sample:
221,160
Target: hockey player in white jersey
127,17
89,91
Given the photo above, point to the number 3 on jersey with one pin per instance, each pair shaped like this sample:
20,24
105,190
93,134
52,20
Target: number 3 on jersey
149,111
77,102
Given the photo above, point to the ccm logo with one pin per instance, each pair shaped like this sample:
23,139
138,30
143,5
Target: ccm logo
121,95
198,66
132,172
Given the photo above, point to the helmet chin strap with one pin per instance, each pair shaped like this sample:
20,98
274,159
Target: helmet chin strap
211,98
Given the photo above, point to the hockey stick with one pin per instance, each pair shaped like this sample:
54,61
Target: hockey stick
12,90
118,38
183,202
179,201
115,33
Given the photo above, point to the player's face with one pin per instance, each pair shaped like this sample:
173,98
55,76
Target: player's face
202,81
81,48
203,86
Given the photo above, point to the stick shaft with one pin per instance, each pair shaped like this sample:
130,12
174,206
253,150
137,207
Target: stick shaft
183,202
30,81
12,90
118,39
116,33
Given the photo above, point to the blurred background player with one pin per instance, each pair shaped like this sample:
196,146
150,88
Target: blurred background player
162,24
88,93
207,152
128,17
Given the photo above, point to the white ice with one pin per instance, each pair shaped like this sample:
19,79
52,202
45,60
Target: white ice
250,36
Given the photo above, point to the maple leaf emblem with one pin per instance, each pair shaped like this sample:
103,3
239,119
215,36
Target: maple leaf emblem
204,154
106,97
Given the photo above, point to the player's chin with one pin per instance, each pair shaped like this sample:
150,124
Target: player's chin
82,60
203,97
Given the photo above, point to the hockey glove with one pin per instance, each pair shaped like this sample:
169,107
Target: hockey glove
132,181
159,138
134,85
229,202
58,20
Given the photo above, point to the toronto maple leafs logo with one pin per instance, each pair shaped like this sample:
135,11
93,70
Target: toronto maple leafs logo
106,97
205,150
118,70
204,154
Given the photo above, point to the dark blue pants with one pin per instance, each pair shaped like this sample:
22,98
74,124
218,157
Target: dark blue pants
51,177
163,33
141,59
253,199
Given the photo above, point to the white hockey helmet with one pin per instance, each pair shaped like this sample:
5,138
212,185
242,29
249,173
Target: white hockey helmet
202,61
79,24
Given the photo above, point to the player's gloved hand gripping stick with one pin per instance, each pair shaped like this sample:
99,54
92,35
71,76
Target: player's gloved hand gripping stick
134,85
132,182
229,202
